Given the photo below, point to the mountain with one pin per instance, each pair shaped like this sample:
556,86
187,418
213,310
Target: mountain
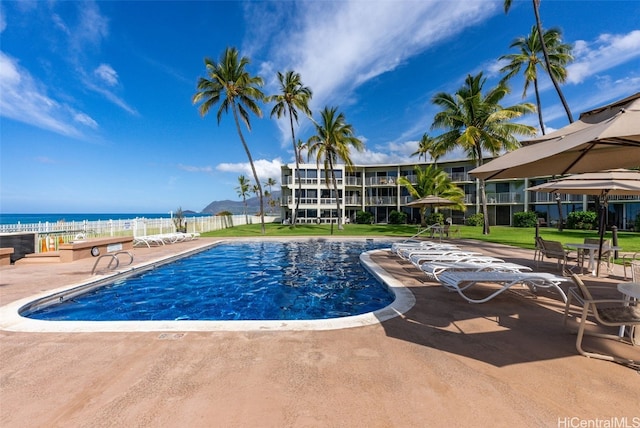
237,207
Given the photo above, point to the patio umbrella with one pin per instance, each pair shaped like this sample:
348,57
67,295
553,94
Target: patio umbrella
602,184
603,138
431,201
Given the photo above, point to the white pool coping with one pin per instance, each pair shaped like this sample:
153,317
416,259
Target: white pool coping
11,320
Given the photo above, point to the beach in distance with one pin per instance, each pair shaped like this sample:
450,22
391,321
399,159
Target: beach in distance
53,218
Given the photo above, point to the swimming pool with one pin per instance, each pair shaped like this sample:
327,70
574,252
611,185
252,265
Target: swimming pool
265,261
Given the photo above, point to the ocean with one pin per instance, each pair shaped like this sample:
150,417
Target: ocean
53,218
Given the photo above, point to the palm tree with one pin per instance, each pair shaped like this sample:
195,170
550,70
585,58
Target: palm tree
244,191
332,143
427,146
478,123
529,58
230,84
293,96
547,60
431,180
270,183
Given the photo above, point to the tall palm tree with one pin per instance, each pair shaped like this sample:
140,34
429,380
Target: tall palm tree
294,96
428,146
243,190
529,58
477,123
547,60
332,143
432,180
229,84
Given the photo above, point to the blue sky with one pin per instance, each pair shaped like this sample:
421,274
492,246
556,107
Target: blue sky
95,97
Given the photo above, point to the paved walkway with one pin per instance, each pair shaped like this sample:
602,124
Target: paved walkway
508,362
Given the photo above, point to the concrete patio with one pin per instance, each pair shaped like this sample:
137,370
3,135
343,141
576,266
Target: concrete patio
508,362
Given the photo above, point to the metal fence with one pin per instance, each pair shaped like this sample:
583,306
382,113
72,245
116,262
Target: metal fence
49,235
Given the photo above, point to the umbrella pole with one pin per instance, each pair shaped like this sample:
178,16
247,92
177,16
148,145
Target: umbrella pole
602,227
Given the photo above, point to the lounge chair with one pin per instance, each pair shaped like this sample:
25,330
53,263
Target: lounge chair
615,313
462,281
406,253
398,247
434,269
148,241
449,256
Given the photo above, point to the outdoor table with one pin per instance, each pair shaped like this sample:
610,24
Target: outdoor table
592,252
630,290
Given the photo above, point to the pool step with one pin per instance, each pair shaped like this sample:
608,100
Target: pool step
39,258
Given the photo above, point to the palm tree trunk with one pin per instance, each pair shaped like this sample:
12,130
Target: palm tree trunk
539,104
536,6
246,217
335,189
483,196
253,168
295,153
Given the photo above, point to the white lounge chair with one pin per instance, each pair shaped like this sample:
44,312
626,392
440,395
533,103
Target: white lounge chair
402,248
406,253
434,269
451,256
462,281
148,240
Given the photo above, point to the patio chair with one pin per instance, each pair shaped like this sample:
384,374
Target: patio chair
627,261
555,250
606,312
635,271
607,255
538,254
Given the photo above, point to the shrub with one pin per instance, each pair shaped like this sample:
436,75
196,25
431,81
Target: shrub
397,217
475,220
363,217
584,220
525,219
224,213
434,218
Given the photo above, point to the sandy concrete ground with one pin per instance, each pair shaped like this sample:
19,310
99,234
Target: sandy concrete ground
508,362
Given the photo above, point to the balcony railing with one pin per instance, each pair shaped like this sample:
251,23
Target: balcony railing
381,181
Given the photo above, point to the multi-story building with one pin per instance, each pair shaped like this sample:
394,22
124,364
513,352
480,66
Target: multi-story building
375,189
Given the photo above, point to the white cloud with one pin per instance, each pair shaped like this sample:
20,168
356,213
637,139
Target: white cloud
85,120
264,168
25,100
59,23
190,168
338,46
107,73
606,52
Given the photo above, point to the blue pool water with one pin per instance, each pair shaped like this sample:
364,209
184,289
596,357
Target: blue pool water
244,281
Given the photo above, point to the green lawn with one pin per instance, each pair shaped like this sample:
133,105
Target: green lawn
519,237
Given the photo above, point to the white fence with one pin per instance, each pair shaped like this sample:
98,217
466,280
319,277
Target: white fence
49,235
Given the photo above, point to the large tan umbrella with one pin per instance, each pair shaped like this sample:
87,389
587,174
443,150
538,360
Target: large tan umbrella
603,138
602,184
431,201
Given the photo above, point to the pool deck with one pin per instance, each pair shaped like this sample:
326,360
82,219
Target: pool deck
507,362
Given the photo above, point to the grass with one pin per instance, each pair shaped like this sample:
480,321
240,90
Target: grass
517,237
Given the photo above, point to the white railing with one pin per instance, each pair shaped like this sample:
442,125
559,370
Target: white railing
49,235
